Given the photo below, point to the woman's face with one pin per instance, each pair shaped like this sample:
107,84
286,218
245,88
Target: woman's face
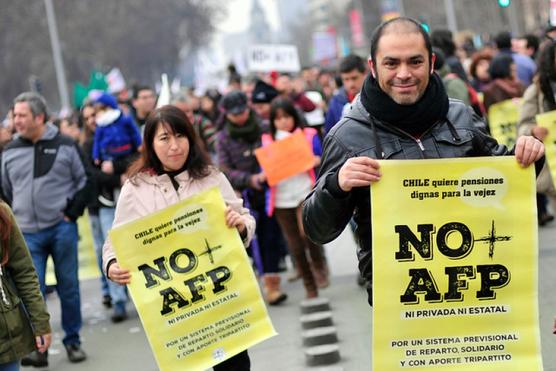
89,118
482,70
171,148
283,121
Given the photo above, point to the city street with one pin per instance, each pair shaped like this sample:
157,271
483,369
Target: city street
124,347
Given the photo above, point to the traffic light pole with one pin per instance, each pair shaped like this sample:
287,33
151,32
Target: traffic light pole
512,15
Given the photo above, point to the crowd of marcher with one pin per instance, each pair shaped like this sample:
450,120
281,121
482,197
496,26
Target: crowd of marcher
114,153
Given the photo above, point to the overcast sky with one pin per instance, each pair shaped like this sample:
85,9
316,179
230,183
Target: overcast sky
239,11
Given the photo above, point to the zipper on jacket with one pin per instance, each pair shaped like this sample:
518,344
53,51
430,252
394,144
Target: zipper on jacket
37,148
420,144
4,296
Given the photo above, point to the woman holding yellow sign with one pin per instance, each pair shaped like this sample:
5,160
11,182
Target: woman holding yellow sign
172,167
539,99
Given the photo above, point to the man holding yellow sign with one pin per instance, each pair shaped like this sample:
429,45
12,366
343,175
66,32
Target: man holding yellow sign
172,168
402,112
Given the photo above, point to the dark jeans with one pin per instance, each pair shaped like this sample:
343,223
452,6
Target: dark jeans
270,242
60,242
239,362
12,366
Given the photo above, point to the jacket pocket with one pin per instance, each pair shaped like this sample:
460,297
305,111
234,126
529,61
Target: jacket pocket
450,146
12,319
446,136
390,149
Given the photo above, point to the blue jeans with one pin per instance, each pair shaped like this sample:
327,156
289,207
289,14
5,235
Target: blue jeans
98,241
60,241
118,293
12,366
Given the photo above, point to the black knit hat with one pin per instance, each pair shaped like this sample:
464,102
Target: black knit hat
263,92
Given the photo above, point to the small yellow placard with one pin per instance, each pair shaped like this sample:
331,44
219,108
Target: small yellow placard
548,120
502,120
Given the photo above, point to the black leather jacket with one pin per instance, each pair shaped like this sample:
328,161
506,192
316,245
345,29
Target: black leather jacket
327,209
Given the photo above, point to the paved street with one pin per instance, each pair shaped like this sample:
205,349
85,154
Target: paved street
123,347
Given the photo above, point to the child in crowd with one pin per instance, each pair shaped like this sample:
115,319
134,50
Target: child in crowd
116,135
287,197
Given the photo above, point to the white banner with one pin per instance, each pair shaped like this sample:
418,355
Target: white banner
266,58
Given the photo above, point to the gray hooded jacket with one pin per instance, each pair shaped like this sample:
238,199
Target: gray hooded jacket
44,181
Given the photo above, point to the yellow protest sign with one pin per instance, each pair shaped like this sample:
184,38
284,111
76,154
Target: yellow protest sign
455,266
502,120
192,284
548,120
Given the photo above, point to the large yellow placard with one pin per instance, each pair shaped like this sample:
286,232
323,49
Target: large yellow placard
192,284
548,120
502,120
455,266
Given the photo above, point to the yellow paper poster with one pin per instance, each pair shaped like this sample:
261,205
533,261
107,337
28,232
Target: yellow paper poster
192,284
502,120
548,120
455,266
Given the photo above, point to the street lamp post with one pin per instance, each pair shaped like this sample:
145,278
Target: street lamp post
57,55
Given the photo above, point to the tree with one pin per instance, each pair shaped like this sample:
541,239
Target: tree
141,37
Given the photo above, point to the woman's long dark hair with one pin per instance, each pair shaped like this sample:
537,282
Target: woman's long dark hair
547,73
5,231
197,163
286,105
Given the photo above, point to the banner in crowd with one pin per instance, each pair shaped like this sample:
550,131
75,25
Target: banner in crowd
273,57
192,284
286,157
502,119
455,266
548,120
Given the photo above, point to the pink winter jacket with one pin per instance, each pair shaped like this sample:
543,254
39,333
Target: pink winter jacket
147,193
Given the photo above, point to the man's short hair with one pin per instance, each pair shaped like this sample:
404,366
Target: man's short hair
503,40
532,42
36,102
500,66
352,62
410,25
444,40
181,97
139,88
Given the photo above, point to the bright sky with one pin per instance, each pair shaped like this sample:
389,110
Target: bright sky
239,12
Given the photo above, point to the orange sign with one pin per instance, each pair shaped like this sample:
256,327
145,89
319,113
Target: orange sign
285,158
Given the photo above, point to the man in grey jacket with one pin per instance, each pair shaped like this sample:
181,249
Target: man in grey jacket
403,112
44,179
